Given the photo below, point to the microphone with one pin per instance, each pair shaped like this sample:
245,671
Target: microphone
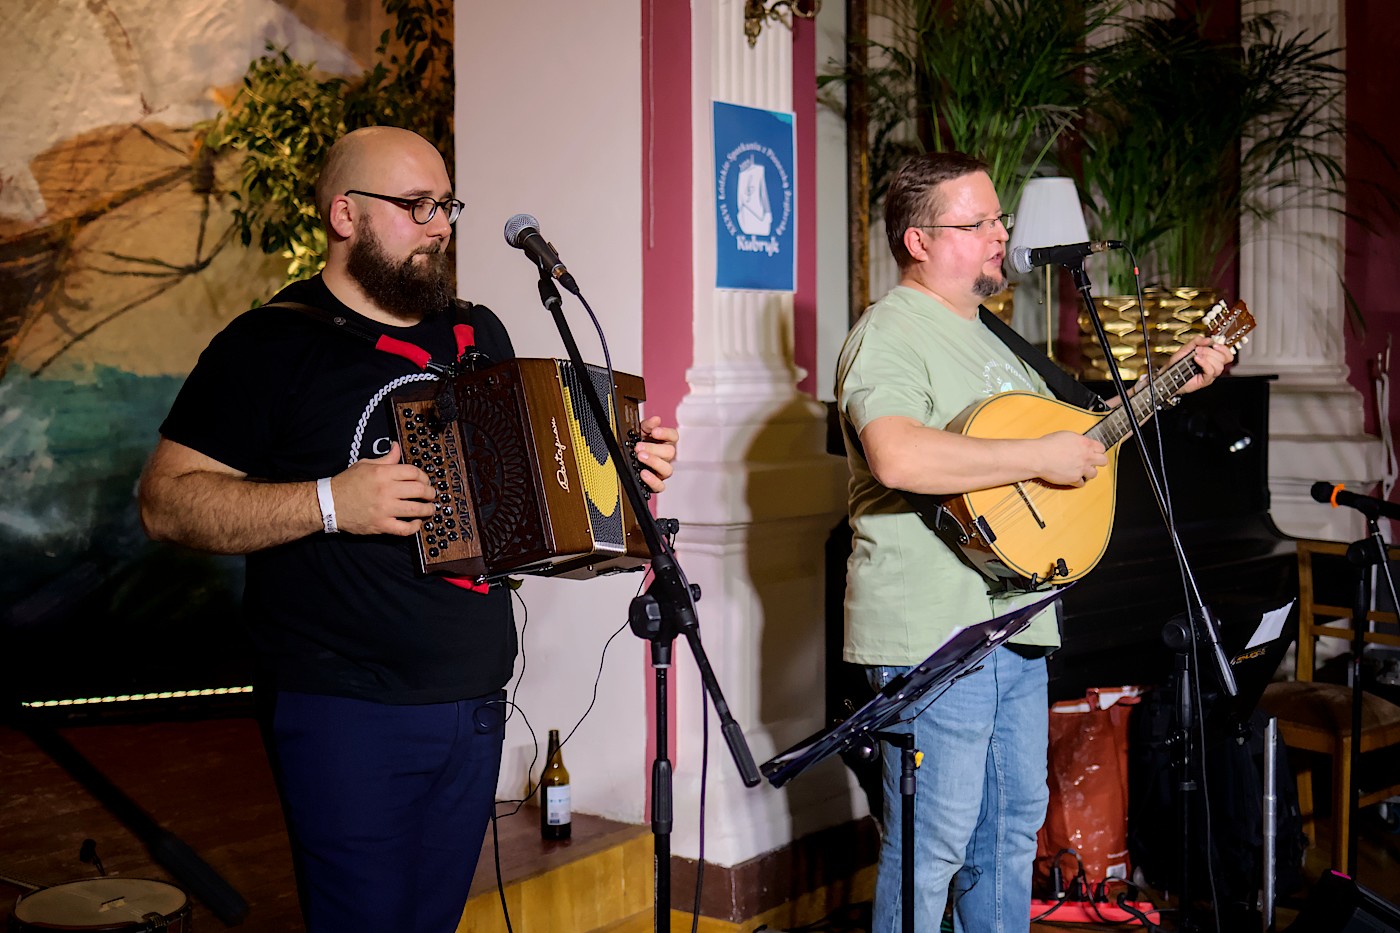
87,854
1369,506
1026,258
523,232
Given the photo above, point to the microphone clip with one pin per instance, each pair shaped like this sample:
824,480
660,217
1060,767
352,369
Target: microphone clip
549,294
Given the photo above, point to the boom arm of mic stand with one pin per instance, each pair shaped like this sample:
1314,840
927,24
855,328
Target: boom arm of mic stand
1200,613
669,589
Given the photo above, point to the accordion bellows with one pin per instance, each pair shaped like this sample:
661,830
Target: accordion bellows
525,484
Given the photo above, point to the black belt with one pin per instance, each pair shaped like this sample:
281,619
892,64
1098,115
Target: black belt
1031,652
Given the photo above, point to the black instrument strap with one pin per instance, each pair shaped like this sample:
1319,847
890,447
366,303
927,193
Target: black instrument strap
1065,387
462,315
471,358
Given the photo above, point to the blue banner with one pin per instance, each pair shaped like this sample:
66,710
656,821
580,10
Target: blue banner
755,197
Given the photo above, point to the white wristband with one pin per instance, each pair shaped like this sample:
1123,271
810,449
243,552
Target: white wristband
323,496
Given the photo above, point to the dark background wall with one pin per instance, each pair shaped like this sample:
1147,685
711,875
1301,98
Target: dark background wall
1373,235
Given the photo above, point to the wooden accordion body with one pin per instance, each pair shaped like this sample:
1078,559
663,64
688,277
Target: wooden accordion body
525,482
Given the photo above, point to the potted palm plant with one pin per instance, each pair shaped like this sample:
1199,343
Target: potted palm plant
1183,134
1000,79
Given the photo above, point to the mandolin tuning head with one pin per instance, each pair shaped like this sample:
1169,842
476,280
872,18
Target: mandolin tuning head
1230,326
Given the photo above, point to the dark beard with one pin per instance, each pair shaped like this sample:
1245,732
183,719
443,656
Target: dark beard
985,286
405,289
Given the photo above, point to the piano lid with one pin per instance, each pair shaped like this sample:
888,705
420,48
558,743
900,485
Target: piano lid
1216,454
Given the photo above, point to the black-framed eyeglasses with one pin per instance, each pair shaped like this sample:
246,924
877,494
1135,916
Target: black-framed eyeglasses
423,209
1007,221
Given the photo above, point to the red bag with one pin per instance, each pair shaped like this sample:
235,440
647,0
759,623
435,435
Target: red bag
1088,777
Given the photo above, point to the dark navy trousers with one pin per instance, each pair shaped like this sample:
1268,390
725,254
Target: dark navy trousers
386,806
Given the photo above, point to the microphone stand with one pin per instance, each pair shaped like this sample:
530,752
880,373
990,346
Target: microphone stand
908,776
666,609
1181,634
1365,555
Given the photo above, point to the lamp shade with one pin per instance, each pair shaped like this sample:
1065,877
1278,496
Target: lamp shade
1048,214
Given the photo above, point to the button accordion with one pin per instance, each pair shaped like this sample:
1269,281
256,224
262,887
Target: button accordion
524,480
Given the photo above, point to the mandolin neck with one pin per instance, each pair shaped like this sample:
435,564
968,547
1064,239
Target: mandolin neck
1115,426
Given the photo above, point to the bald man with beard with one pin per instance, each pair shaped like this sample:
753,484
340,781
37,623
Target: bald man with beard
381,689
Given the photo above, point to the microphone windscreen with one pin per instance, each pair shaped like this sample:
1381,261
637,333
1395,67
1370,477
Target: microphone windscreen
1021,259
1322,492
518,225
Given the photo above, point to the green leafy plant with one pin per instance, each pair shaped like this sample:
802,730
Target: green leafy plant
1185,134
999,79
286,116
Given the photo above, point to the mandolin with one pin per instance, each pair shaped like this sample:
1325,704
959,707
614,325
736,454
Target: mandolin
1033,533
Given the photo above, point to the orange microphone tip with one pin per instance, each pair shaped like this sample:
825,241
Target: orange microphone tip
1336,489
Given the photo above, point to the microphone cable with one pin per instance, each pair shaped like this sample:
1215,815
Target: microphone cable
704,787
1158,473
1079,883
535,742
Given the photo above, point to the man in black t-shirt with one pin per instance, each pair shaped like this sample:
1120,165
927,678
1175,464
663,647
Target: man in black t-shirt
386,720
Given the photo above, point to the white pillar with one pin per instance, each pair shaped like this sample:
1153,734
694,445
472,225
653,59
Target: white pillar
1290,270
756,495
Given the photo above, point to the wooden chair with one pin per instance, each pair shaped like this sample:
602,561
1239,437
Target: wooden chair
1316,717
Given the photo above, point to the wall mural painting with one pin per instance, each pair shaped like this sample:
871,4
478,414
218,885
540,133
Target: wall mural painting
118,262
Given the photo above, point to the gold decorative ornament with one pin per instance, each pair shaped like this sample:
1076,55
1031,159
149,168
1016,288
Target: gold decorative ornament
1003,303
756,11
1173,319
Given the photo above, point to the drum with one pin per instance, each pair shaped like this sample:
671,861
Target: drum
130,905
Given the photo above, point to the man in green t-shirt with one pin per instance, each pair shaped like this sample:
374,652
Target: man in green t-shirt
914,361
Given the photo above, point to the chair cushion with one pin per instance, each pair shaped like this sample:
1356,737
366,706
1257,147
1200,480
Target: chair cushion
1326,706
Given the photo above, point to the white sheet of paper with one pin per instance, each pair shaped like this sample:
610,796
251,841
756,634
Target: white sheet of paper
1270,626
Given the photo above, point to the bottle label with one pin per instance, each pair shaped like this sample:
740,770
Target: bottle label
557,810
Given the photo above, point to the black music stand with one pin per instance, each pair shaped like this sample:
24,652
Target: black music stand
1255,652
1213,720
959,655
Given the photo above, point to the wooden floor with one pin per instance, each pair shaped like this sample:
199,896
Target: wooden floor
207,782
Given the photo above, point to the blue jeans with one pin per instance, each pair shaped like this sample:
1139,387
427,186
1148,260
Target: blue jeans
980,797
386,807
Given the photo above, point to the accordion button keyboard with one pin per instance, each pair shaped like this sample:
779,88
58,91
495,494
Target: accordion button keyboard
447,541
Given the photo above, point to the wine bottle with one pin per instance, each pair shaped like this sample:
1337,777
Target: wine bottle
556,812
